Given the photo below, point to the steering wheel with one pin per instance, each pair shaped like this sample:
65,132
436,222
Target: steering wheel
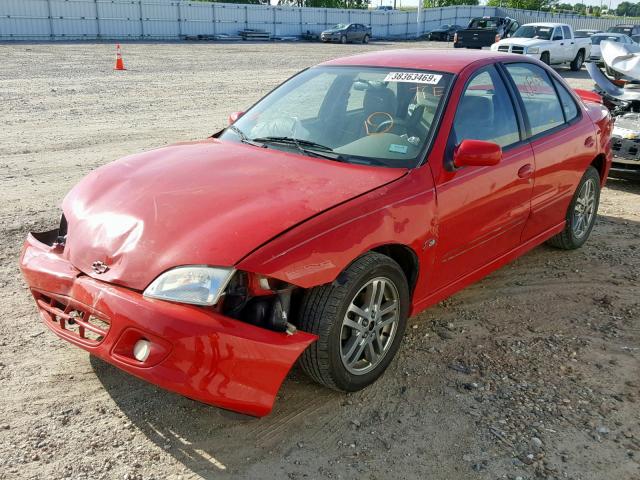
383,126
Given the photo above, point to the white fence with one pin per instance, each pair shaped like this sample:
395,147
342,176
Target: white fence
167,20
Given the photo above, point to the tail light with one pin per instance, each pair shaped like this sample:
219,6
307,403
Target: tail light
498,37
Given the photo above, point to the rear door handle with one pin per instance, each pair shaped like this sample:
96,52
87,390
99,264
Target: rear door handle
525,171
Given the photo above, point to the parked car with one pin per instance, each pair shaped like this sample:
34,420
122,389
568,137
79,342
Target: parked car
484,31
385,8
310,227
627,29
596,55
552,43
347,32
444,32
585,33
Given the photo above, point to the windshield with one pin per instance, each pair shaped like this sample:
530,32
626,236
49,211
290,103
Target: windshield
339,26
625,30
583,33
531,31
489,23
596,39
374,116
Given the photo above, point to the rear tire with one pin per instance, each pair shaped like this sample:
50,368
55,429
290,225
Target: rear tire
360,320
581,214
577,62
544,58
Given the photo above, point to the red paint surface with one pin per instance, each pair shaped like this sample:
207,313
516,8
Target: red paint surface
301,220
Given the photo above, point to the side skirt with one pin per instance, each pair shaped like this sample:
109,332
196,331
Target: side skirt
482,272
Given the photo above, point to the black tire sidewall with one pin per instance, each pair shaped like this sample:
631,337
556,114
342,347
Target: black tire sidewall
343,379
544,58
590,174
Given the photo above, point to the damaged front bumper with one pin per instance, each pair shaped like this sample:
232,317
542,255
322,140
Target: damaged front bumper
193,351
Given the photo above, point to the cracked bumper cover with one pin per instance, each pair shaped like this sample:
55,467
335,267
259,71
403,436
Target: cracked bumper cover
195,352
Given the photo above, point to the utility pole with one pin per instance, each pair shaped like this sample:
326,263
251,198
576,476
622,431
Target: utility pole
419,20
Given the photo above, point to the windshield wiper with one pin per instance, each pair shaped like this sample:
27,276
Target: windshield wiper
304,146
244,138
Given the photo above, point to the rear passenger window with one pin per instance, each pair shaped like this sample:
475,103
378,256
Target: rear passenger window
485,111
541,103
567,33
568,103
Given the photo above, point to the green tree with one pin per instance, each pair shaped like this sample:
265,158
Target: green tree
523,4
448,3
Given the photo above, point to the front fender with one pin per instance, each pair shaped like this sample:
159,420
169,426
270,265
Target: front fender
315,252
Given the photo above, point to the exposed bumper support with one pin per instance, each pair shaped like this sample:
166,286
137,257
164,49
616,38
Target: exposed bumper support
195,352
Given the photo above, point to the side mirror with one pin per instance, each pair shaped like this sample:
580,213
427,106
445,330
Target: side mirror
233,117
476,153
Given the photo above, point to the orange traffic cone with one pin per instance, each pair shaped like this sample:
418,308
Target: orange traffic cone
119,62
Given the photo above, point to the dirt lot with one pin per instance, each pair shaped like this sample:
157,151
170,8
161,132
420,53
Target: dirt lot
532,373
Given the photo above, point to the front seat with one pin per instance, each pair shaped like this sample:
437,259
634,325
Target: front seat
378,99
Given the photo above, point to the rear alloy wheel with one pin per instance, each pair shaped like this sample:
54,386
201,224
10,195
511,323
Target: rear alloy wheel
581,215
577,62
365,39
343,39
359,319
544,58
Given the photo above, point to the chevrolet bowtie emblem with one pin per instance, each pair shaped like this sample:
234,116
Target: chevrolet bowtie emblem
99,267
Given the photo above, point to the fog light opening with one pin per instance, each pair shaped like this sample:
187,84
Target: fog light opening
141,350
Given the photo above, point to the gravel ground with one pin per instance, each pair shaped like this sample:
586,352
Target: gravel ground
533,372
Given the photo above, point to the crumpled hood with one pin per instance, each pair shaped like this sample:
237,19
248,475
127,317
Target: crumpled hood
208,202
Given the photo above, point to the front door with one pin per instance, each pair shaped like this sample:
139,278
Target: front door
482,210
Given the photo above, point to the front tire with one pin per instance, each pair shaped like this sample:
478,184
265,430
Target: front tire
544,58
365,39
360,320
343,39
581,214
577,62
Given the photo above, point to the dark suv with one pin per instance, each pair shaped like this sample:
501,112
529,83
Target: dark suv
347,32
626,28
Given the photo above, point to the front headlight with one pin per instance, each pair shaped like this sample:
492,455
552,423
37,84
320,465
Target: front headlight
197,285
533,50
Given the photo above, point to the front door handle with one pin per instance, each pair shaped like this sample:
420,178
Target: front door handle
589,142
525,171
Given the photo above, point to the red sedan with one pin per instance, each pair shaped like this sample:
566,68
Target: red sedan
359,192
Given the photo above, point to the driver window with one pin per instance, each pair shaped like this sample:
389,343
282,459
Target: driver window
485,111
557,34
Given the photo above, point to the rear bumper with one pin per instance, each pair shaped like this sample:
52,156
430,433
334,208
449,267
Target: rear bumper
194,351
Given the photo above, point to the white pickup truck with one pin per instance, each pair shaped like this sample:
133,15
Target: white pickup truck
553,43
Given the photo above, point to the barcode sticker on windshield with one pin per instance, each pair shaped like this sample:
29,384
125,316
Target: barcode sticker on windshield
413,77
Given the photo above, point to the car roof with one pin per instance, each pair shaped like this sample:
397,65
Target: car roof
546,24
425,59
609,34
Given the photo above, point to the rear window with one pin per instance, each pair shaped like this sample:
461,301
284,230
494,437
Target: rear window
596,39
484,23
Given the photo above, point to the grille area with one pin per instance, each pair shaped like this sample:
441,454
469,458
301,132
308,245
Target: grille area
76,322
517,49
503,48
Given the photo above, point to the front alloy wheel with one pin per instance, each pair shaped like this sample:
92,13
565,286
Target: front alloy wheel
369,326
359,319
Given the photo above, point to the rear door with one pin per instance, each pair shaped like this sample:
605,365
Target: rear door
482,210
569,43
563,142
